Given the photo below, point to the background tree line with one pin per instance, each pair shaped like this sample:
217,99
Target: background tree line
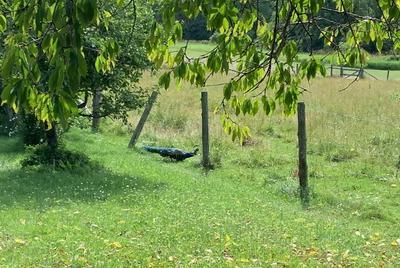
196,29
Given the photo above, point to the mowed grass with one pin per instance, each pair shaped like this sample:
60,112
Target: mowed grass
195,48
134,209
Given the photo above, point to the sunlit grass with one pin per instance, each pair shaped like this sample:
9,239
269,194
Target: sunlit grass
135,209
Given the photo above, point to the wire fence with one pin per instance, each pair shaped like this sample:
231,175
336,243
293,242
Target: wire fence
361,73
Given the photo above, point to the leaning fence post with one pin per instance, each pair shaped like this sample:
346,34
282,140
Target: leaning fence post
143,119
303,168
205,130
387,75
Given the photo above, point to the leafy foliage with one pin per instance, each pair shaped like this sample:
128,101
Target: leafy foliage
119,89
263,63
7,123
31,129
44,60
60,159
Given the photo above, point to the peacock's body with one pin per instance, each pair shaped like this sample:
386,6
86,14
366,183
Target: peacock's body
173,153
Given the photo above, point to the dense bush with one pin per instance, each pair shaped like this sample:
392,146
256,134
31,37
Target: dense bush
7,122
31,129
61,158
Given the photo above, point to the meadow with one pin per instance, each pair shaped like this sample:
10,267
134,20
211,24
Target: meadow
130,208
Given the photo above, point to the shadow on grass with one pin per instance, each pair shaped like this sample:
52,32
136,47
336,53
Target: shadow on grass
11,145
41,189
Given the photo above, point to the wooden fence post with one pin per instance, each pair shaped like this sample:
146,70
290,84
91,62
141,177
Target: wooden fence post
387,75
205,130
341,71
303,168
143,119
331,70
362,76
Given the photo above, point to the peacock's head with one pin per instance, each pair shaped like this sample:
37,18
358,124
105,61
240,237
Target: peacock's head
195,151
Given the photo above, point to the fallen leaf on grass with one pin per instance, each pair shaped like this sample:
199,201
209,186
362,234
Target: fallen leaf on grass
172,258
193,261
396,243
116,245
82,260
312,252
20,241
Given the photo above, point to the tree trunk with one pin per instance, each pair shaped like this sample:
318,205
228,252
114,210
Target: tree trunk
10,114
52,140
96,110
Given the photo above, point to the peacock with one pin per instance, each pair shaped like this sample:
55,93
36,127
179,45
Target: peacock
173,153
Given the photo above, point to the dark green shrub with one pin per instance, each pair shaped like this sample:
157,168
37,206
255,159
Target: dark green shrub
7,122
61,158
31,130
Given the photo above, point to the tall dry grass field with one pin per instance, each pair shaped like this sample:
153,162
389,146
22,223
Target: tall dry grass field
359,122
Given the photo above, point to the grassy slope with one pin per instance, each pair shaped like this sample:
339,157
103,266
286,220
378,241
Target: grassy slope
141,211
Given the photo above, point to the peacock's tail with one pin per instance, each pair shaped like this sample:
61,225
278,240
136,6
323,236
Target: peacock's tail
152,149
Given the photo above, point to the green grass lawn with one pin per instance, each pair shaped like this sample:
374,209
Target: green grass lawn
138,211
134,209
195,49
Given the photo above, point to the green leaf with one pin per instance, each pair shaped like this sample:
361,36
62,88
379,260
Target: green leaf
178,31
6,94
9,61
73,71
82,65
86,11
228,91
99,63
165,80
3,23
312,69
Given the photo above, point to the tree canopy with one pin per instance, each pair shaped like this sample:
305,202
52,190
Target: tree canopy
260,49
44,59
129,27
256,44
